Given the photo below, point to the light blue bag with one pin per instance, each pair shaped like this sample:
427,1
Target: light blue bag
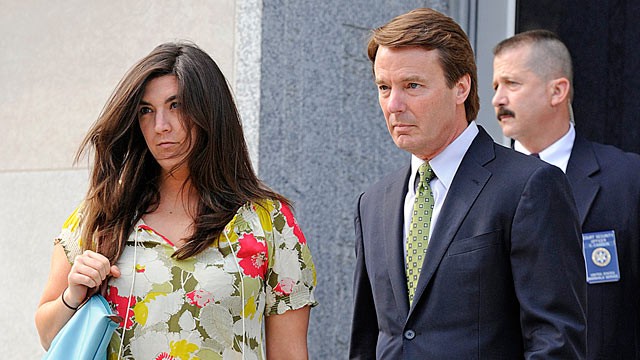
87,334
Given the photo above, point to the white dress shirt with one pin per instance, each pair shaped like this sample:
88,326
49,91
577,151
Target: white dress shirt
444,165
557,153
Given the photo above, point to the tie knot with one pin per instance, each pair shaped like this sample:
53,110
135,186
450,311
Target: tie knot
426,173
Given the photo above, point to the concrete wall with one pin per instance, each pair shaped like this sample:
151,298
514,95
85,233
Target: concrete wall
59,62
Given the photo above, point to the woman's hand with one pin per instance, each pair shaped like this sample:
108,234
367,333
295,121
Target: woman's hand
88,271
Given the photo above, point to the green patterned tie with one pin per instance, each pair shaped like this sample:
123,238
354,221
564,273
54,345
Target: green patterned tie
418,237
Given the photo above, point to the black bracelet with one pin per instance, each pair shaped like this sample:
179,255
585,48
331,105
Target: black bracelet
65,303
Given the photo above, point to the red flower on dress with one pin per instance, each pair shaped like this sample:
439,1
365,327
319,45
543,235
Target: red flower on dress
120,303
285,286
291,222
199,298
253,255
164,356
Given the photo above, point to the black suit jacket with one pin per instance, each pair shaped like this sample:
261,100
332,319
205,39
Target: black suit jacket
503,277
606,187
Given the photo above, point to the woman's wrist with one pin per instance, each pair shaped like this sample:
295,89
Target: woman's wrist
66,303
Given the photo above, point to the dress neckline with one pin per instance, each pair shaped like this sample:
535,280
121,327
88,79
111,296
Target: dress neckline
142,225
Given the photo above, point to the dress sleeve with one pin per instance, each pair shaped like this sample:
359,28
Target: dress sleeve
291,274
69,237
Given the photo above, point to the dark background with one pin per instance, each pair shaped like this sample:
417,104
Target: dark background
603,37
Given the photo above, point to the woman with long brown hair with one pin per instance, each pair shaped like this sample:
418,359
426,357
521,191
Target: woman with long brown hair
188,246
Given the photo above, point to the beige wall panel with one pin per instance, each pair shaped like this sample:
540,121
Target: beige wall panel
60,60
34,206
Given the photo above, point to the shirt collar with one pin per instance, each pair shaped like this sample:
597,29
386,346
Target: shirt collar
557,153
446,163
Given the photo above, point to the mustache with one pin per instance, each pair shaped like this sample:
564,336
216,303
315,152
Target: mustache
502,111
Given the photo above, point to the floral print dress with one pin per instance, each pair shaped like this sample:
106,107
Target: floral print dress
212,305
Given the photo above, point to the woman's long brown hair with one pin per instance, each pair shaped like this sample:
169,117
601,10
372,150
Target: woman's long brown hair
124,178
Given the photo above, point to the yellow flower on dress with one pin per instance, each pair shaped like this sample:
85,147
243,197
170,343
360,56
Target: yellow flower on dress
182,349
250,308
265,215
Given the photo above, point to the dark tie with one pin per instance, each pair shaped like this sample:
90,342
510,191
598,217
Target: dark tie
535,155
418,237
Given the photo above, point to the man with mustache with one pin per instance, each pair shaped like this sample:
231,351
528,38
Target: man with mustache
532,79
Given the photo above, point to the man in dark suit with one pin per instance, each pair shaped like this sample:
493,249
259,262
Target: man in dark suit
502,274
533,83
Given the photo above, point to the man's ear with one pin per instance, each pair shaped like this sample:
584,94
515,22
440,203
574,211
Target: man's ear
463,86
560,89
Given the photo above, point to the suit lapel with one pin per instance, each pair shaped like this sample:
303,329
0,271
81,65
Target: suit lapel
582,165
394,238
469,180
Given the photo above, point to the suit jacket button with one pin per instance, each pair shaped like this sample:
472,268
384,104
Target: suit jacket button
409,334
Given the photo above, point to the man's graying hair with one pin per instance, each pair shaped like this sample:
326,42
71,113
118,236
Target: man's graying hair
549,57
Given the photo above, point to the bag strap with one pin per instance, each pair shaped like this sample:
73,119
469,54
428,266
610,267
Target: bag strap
133,281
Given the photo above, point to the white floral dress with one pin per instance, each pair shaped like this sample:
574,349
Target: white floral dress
193,308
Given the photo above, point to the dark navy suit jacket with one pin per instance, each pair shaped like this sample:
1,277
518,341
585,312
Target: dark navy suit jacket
503,277
606,186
